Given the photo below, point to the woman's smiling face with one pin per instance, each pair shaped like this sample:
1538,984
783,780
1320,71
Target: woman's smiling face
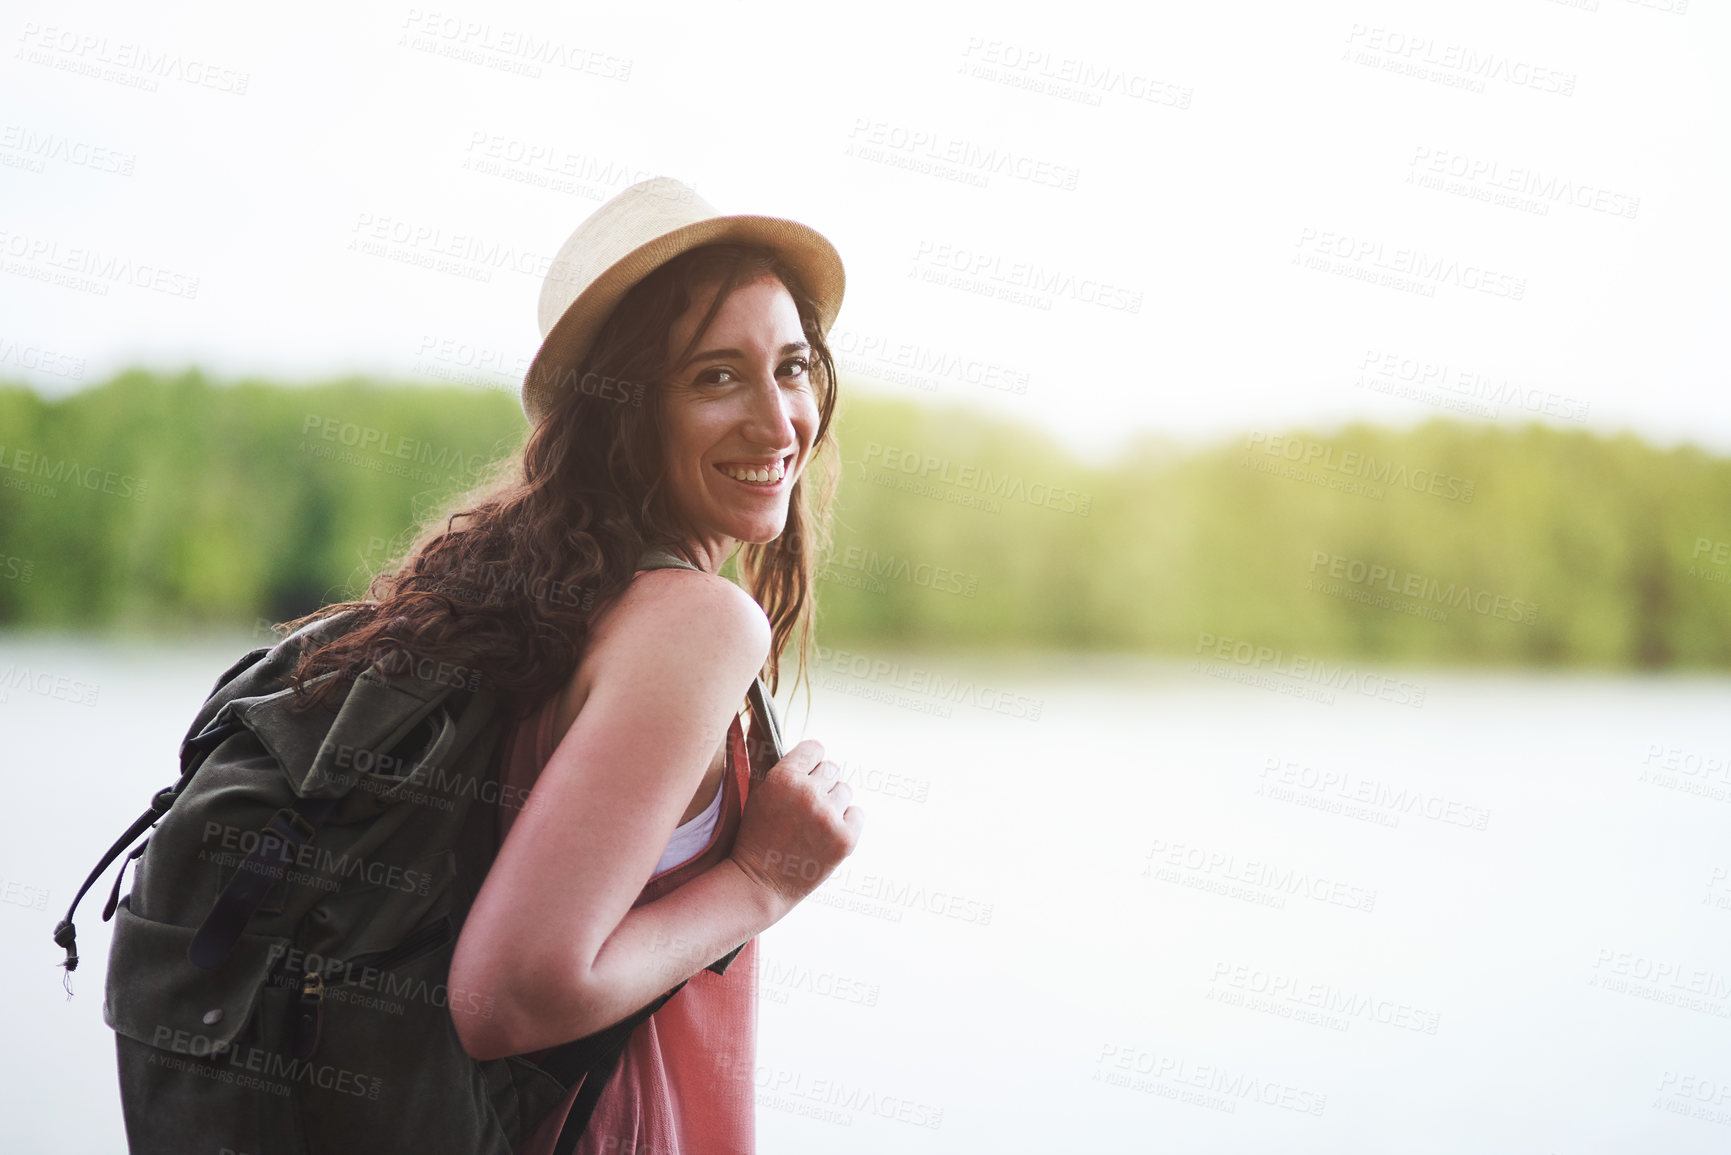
741,415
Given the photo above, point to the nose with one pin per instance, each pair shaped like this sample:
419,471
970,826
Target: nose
768,417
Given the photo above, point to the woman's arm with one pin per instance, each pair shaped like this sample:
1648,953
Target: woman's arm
552,936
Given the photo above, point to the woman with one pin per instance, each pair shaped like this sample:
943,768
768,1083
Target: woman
681,394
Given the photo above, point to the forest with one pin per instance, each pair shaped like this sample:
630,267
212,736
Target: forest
164,503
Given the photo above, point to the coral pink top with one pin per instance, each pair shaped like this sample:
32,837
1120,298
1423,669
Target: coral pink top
668,1096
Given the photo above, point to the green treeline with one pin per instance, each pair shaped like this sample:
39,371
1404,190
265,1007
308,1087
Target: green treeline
167,503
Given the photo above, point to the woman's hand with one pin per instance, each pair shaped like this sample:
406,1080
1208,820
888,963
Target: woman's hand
797,825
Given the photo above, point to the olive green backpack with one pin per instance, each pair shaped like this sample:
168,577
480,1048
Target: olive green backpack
277,978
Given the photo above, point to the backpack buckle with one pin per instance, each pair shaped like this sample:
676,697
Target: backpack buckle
309,1016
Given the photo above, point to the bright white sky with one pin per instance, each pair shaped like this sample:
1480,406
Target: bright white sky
1207,148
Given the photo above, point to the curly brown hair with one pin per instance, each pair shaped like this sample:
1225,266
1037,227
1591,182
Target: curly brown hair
504,584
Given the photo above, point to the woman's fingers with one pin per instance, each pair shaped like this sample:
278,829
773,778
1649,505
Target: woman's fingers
853,818
804,758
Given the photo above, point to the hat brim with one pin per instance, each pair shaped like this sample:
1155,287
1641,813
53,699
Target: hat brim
814,259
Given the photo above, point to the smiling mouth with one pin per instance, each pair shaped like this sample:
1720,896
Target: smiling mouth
761,477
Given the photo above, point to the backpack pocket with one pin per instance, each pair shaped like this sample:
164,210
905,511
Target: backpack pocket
156,996
200,1057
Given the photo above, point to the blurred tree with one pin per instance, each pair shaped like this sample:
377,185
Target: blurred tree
168,502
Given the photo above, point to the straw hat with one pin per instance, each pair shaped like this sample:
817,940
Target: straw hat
632,235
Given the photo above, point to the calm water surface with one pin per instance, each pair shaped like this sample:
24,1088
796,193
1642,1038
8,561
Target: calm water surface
1109,906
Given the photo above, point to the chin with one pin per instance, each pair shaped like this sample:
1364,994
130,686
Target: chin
760,534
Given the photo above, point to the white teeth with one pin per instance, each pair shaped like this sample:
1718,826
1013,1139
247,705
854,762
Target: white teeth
762,476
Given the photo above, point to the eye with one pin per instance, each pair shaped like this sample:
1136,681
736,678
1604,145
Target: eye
719,375
796,366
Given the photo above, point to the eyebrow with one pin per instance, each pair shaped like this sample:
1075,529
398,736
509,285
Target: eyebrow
722,354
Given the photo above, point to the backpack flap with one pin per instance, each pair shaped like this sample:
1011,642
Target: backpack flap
156,997
332,772
320,761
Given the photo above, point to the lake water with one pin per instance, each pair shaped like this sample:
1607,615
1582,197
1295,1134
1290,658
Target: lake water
1109,906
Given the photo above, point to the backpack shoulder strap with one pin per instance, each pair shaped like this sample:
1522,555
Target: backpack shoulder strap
660,557
592,1061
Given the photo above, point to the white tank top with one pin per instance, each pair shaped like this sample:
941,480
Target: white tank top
691,837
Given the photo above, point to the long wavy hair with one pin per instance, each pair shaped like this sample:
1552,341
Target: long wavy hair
502,586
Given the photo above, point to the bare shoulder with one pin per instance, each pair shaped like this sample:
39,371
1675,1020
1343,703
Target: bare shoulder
686,609
672,625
